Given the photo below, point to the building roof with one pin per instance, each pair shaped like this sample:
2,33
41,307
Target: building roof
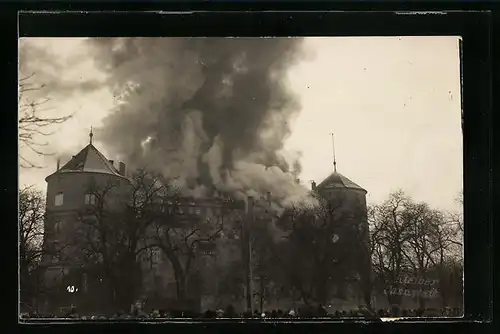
89,159
337,180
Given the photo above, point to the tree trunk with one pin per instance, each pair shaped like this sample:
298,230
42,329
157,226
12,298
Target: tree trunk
367,296
180,282
181,289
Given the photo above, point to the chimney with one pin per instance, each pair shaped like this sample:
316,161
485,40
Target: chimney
58,163
121,168
313,185
112,162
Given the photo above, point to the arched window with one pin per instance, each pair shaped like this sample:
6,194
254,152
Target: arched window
58,201
58,226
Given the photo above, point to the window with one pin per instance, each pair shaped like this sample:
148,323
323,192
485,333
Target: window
85,282
155,256
59,199
58,226
90,199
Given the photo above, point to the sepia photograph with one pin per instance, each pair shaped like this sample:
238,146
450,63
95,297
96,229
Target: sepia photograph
240,177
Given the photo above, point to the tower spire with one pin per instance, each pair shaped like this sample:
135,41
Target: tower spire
91,135
334,160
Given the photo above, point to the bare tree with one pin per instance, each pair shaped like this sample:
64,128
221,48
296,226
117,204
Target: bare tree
264,256
34,251
390,231
427,240
33,124
31,220
456,220
113,232
449,262
411,239
182,236
317,254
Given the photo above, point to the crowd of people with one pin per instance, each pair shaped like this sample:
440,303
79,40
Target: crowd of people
229,313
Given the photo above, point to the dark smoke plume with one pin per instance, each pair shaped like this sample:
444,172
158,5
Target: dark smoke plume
213,112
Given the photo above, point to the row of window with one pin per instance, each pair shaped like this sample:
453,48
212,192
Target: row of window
89,199
191,210
182,210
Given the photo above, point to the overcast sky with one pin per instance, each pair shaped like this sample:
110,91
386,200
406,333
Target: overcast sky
393,104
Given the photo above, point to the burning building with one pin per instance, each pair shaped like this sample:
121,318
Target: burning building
211,113
219,274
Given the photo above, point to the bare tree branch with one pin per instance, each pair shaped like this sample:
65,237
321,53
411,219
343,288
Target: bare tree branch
31,120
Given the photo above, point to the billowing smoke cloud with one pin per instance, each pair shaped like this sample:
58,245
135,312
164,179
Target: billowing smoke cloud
213,112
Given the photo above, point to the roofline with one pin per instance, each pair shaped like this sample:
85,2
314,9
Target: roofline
321,186
343,188
85,172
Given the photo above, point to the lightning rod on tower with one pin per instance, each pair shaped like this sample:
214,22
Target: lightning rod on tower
333,150
91,134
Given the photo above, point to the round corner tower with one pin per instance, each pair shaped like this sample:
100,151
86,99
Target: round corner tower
70,190
347,202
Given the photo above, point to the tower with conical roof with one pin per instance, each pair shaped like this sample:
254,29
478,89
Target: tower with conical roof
337,187
68,195
346,201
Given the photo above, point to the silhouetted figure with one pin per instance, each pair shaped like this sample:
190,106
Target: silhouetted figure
209,314
229,312
321,312
135,312
72,312
395,311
